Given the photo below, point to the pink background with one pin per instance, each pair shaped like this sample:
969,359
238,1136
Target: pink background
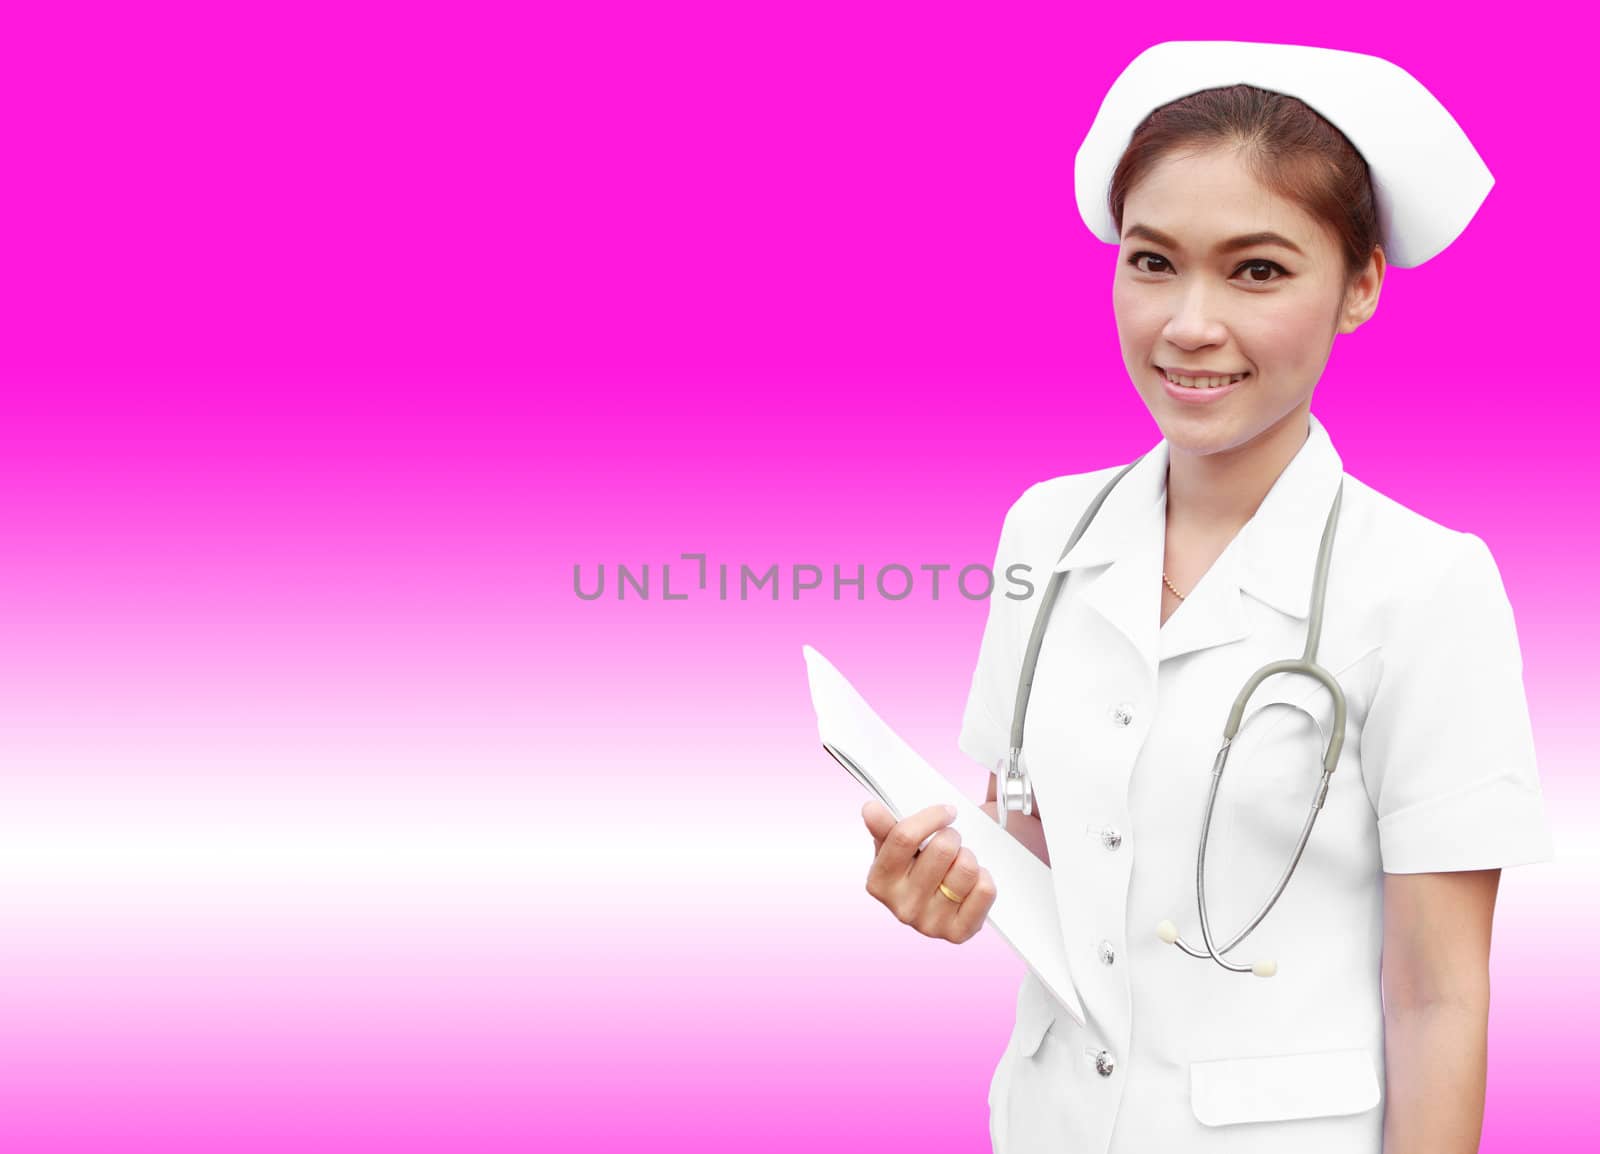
331,819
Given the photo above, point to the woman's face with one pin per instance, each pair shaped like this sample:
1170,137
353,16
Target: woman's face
1190,294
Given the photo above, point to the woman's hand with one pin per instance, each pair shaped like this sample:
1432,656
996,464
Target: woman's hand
908,882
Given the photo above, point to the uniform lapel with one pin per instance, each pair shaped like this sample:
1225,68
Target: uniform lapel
1213,612
1125,542
1273,558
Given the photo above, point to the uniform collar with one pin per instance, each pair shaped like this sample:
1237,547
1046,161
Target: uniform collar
1278,556
1273,558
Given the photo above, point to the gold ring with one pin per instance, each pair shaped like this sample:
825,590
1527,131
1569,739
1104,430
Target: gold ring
951,894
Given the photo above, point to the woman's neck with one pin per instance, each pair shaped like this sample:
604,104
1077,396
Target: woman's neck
1216,493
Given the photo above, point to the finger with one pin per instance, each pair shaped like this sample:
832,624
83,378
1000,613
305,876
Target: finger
929,867
957,879
906,837
974,910
915,898
879,822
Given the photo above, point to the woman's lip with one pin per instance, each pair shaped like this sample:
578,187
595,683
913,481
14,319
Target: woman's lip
1168,372
1188,395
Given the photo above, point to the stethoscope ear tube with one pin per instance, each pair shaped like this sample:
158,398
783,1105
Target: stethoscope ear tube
1307,665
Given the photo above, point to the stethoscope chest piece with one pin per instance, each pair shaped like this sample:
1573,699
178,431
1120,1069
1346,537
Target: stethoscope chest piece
1016,789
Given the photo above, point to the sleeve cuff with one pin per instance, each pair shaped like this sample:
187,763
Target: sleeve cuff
981,739
1496,822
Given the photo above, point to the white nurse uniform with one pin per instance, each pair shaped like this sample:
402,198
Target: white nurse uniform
1437,773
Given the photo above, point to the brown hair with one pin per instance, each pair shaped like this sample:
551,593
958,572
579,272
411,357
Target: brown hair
1283,143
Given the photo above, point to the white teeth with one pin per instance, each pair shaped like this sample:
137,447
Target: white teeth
1202,382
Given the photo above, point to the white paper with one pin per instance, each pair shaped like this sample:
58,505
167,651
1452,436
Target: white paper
1024,910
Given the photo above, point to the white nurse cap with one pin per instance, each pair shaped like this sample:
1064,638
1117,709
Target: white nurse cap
1427,178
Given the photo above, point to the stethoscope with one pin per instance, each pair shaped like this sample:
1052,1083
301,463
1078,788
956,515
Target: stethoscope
1016,789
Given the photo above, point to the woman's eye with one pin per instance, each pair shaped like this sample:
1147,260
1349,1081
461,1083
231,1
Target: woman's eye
1262,264
1255,274
1138,256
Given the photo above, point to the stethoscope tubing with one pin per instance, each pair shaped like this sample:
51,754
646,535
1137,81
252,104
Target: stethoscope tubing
1016,792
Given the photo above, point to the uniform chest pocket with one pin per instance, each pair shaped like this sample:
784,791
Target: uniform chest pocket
1281,1087
1298,702
1279,749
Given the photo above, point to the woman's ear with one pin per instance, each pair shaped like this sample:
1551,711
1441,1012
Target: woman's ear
1361,295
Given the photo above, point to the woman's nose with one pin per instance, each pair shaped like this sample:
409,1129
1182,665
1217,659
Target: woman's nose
1196,320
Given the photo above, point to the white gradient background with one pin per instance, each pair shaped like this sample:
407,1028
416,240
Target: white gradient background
330,819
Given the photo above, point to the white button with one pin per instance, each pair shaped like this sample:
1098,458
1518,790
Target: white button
1110,838
1107,954
1122,713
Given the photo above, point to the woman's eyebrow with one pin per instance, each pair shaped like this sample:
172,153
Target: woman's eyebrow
1249,240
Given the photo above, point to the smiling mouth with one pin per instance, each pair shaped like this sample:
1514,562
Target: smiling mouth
1201,383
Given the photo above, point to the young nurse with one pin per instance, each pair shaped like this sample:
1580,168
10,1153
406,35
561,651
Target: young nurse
1257,194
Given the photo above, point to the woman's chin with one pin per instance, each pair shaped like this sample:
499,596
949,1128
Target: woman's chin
1198,436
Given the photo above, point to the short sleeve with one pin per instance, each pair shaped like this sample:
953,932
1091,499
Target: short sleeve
986,722
1447,747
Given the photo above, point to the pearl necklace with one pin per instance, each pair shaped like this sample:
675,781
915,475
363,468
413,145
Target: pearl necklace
1171,586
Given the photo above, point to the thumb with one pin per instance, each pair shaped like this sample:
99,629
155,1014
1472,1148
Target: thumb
879,820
